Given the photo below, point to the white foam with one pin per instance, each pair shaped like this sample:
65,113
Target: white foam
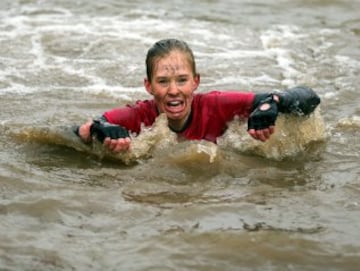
279,35
137,33
113,91
347,62
236,54
31,23
275,41
349,122
246,80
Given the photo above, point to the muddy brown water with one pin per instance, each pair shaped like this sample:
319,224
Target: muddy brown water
290,204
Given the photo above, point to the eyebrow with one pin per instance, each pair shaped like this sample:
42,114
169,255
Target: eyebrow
167,76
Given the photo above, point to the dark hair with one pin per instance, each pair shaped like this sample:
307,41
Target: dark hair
163,48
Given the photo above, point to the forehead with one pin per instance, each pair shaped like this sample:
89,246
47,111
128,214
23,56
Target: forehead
174,62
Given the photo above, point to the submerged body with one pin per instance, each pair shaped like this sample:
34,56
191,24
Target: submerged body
172,80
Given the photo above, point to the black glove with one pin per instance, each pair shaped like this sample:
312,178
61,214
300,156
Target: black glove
298,100
101,130
264,115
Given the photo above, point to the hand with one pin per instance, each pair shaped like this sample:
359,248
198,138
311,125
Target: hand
102,130
263,134
114,137
261,123
117,145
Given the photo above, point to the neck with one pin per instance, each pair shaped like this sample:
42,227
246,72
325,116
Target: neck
179,126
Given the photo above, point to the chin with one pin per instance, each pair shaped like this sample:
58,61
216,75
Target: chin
175,117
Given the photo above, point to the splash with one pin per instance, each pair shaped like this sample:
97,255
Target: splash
194,151
293,134
350,123
292,137
155,138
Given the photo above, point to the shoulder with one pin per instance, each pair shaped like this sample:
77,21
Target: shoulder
226,96
213,94
143,105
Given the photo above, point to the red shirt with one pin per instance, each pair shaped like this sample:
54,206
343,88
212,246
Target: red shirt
210,114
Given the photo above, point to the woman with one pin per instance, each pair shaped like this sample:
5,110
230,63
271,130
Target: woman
172,81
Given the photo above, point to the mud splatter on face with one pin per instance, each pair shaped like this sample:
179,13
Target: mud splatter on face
172,66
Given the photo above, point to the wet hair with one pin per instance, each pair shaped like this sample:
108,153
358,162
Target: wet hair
163,48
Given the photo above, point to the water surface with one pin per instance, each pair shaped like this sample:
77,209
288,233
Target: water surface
292,204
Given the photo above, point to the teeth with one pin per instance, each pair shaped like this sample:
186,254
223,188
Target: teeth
174,103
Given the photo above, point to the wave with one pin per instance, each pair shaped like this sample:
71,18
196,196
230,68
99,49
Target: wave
293,136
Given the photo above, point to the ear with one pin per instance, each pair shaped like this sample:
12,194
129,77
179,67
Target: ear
147,86
196,81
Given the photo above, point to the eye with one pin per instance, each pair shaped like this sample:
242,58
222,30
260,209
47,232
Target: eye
182,80
163,81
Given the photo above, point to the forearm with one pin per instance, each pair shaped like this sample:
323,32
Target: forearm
297,100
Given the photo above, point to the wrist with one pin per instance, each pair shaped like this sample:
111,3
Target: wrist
276,98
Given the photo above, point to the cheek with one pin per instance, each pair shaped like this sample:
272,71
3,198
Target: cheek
159,99
158,96
157,92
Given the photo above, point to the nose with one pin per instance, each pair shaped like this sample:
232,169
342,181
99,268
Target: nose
173,88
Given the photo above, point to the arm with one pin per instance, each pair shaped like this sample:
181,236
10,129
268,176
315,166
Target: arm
116,123
297,100
301,101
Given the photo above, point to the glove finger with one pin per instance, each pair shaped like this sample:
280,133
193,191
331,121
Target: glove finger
111,133
119,133
122,132
95,130
263,122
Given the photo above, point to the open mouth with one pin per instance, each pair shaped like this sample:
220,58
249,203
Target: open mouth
175,106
